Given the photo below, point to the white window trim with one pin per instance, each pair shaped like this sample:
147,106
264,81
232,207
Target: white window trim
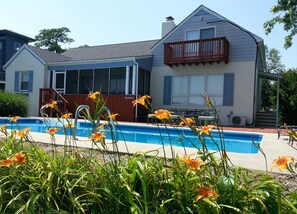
20,81
199,31
188,95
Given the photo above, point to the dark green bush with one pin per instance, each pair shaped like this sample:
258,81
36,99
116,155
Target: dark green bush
13,104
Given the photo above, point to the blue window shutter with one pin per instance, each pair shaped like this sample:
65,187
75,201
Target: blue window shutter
30,85
16,81
228,95
167,90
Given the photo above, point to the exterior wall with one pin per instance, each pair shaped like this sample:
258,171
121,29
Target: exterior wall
27,62
243,86
117,104
242,58
242,46
8,48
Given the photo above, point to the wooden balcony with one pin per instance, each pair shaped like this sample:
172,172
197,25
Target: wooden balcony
213,50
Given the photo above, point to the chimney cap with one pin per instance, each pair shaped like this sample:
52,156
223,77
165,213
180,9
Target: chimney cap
169,18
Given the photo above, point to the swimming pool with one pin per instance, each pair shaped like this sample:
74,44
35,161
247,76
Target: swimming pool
238,142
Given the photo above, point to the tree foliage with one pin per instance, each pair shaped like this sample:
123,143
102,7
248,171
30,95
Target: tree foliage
286,14
274,65
52,38
288,97
273,61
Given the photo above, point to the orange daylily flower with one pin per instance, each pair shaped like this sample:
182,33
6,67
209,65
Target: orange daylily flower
113,116
192,163
97,136
94,95
52,131
205,192
189,121
163,114
206,129
66,116
3,128
53,104
24,132
144,101
14,119
102,126
19,158
7,162
282,162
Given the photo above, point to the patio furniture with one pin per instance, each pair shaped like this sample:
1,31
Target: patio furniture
291,132
207,117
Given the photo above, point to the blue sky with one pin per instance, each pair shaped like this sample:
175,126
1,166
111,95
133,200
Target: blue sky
97,22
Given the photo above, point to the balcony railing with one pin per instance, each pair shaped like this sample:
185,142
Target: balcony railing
197,51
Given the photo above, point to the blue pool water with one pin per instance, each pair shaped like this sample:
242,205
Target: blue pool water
234,141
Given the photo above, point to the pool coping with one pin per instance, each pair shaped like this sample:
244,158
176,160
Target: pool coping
271,145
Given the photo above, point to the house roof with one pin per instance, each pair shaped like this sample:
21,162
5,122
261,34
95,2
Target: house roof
112,51
220,18
8,32
48,56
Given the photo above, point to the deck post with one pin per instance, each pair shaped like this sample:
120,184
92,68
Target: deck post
277,102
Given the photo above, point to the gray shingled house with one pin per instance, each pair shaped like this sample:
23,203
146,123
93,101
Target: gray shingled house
204,54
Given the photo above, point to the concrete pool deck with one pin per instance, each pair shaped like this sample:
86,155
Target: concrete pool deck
272,147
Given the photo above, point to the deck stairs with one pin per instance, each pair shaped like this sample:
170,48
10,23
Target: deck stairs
46,95
266,119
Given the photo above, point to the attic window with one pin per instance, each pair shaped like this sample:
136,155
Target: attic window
17,46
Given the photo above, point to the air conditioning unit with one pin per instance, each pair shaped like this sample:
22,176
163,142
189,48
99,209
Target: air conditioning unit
238,120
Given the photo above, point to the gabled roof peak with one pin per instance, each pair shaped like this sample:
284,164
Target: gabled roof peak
10,32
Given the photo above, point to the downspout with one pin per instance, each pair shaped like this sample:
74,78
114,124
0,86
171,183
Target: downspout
4,79
136,87
256,61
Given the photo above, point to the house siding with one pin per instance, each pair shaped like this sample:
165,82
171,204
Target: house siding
242,105
242,46
27,62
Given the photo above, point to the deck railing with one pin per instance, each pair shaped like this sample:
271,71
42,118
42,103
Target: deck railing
48,94
197,51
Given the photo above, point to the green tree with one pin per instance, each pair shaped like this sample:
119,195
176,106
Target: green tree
288,97
273,61
274,65
286,14
51,39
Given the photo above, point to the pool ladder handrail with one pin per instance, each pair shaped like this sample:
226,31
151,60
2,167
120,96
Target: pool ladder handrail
77,114
111,122
42,111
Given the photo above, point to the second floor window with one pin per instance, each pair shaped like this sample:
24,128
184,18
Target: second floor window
17,46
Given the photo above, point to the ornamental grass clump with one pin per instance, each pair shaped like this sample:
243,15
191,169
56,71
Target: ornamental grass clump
76,180
13,104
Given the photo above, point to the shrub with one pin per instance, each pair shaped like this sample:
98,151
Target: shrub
12,104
